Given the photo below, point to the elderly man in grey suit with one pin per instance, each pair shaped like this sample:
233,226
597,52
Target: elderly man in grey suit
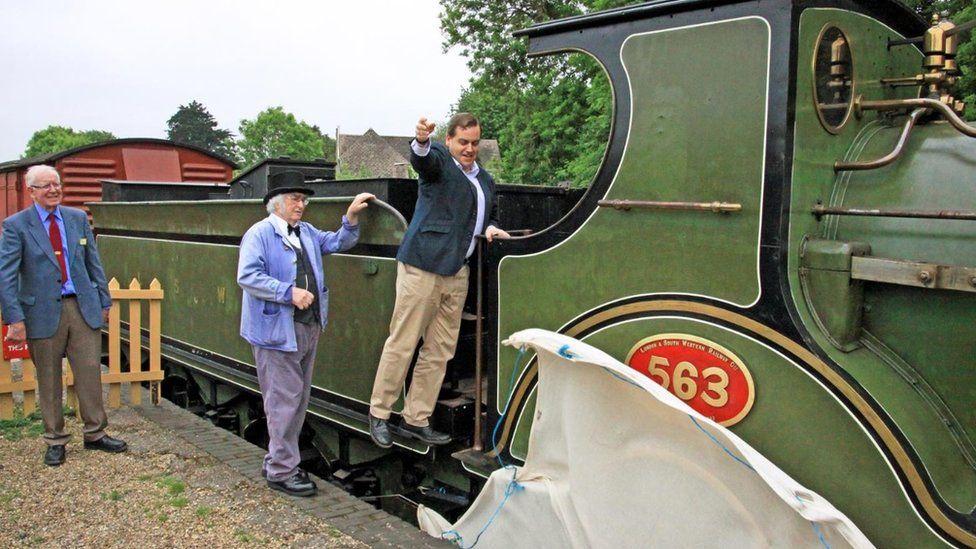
53,294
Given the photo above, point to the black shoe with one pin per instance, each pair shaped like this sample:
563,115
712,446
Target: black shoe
54,455
379,431
425,434
107,444
294,485
303,475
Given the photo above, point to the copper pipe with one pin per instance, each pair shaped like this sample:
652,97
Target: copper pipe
476,442
890,157
820,210
895,104
903,81
717,207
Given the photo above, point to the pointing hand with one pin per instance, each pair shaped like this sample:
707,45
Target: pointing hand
424,129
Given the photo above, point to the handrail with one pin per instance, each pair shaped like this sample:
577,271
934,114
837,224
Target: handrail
478,326
894,104
890,157
820,210
716,207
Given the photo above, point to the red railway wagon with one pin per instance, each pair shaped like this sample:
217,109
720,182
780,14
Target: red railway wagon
135,159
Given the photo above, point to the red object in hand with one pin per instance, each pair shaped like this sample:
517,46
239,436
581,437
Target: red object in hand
13,350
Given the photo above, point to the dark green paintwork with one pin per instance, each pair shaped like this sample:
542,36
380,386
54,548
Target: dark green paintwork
362,288
683,129
910,333
231,218
802,429
836,299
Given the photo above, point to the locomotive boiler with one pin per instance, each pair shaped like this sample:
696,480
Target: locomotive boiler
781,233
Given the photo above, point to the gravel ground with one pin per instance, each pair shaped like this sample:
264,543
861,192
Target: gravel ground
161,493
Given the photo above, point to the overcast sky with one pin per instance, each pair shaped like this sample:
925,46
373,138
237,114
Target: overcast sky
126,66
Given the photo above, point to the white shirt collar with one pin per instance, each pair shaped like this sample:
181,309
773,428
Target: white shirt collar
281,227
475,169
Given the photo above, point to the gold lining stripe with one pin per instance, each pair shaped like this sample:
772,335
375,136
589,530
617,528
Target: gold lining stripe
886,435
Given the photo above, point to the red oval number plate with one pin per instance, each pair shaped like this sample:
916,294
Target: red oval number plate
705,375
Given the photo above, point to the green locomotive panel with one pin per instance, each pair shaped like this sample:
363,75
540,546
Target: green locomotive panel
203,301
677,150
911,349
799,425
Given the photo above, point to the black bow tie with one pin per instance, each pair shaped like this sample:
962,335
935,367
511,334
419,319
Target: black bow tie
296,230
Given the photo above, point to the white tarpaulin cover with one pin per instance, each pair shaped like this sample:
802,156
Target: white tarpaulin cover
614,460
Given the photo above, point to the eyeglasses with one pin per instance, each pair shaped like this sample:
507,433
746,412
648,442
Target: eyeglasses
298,197
47,187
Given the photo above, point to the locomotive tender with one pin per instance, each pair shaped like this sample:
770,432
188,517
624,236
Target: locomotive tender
781,233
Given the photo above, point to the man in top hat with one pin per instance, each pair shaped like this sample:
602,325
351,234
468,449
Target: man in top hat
285,307
53,293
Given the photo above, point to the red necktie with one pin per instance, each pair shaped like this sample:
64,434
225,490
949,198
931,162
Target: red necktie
55,233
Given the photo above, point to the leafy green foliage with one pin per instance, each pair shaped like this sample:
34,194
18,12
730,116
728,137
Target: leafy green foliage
54,139
959,12
275,133
551,115
194,125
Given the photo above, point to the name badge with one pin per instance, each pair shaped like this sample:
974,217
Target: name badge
83,242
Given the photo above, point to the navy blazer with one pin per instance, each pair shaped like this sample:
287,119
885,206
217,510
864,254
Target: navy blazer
30,276
447,206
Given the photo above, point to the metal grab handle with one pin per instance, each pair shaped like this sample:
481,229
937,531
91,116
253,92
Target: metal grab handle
820,210
894,104
890,157
716,207
914,273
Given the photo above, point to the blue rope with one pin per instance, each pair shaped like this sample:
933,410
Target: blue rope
816,527
508,402
513,485
722,446
564,352
455,537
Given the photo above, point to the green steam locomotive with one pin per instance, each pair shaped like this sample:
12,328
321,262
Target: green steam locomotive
781,233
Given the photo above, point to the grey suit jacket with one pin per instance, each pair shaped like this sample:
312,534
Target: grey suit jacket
30,276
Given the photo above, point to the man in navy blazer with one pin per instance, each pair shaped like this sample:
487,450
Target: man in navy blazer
455,204
54,295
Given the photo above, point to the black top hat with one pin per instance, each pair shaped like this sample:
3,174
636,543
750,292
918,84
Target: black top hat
288,181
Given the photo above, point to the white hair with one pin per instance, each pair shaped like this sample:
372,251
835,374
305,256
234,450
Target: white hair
35,171
276,203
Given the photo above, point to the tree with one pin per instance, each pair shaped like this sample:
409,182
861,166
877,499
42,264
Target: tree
194,125
59,138
275,132
959,12
551,115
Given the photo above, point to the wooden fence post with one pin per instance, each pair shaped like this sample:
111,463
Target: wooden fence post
6,399
114,346
155,333
135,342
114,378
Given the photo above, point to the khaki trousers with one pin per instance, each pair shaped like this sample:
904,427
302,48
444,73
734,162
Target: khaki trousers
428,305
83,346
